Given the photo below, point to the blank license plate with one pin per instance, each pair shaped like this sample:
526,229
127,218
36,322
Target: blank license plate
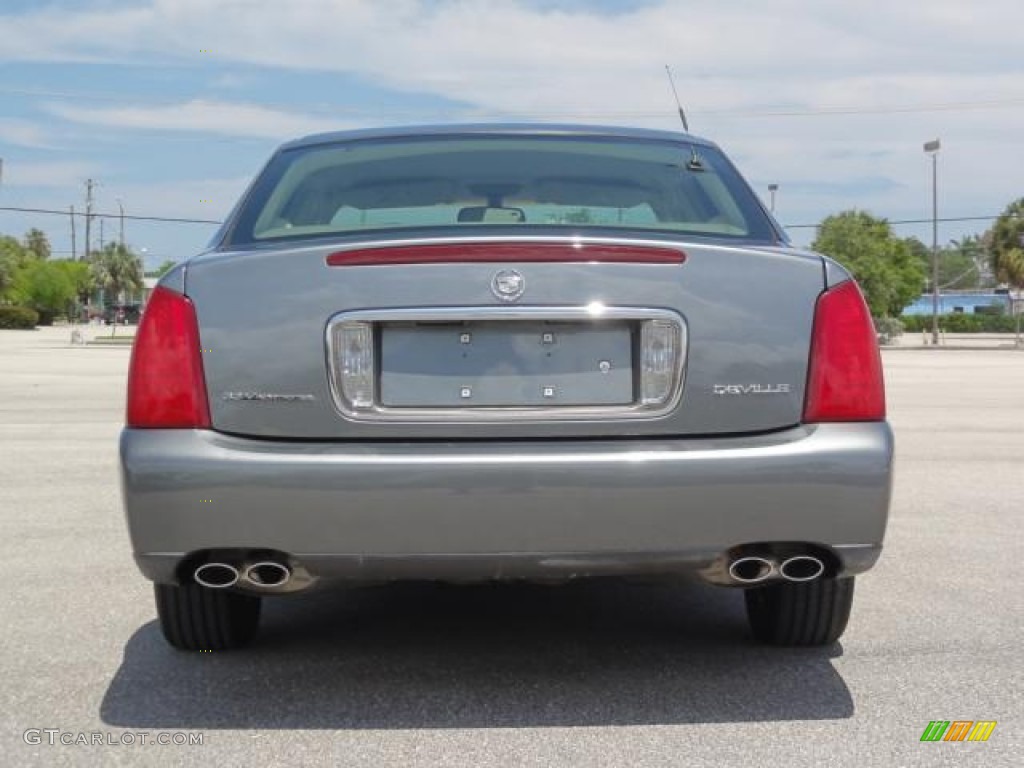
506,364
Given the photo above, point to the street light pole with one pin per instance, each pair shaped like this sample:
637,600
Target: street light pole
932,148
772,189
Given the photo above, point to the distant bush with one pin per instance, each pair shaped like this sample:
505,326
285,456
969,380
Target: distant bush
18,318
962,323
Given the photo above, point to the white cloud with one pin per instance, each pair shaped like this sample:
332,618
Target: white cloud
730,60
49,174
230,80
210,198
507,55
22,133
233,119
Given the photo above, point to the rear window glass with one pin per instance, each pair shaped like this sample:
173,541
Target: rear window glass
451,181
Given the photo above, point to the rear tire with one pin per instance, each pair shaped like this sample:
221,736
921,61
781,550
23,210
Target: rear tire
195,618
800,613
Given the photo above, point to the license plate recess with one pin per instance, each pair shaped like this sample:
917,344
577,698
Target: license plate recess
507,364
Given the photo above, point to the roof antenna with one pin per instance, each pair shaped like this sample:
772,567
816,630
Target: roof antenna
675,93
695,164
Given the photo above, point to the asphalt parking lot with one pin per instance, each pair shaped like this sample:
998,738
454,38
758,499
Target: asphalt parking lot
601,674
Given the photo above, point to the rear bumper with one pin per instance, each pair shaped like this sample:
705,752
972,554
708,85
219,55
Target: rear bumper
479,510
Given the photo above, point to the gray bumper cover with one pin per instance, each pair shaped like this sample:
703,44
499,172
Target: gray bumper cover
506,509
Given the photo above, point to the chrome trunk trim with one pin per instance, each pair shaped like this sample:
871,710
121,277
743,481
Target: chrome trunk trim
591,312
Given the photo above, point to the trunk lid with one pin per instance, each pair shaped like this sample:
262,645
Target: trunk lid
266,318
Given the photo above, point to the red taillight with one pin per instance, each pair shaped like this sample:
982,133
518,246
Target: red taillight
844,381
456,253
166,388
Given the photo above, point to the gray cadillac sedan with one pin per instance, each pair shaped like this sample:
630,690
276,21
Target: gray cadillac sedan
471,353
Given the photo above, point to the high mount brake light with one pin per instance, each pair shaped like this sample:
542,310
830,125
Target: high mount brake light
484,253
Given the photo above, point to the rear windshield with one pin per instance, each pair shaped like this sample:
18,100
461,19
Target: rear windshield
451,181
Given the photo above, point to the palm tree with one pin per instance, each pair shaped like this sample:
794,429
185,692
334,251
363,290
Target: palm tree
37,243
1006,240
117,270
1009,268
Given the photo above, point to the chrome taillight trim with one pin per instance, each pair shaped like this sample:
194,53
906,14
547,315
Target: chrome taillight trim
475,415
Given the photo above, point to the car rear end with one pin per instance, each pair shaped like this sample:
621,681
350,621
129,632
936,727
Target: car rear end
482,354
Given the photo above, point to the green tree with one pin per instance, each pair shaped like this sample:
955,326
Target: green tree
1005,240
959,268
12,258
45,287
1010,269
887,268
1006,243
14,250
81,277
1006,246
7,272
117,270
973,247
37,244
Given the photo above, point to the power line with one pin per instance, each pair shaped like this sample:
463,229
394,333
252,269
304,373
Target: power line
169,219
183,220
955,280
910,221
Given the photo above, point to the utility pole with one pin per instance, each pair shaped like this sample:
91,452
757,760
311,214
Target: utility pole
89,183
121,208
71,214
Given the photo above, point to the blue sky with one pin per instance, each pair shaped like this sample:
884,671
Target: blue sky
172,105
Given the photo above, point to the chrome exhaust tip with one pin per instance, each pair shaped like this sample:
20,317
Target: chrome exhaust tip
267,573
801,568
750,570
216,575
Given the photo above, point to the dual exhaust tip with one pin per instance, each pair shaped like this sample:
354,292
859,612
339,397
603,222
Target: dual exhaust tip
265,574
753,569
268,574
